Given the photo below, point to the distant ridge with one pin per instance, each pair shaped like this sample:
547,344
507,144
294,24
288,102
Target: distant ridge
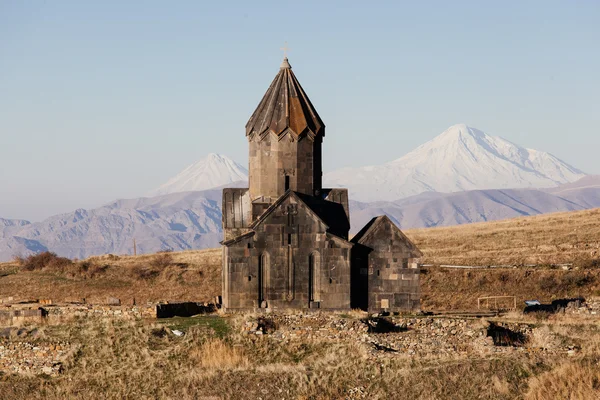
192,220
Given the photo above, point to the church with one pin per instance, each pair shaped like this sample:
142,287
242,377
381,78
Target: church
286,243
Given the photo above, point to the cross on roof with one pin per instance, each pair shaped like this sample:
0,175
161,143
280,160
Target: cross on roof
285,49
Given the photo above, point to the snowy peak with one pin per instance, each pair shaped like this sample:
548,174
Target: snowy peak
461,158
210,172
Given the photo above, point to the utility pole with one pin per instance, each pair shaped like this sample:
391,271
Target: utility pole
134,248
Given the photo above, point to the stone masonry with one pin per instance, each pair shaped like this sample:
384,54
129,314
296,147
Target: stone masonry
286,237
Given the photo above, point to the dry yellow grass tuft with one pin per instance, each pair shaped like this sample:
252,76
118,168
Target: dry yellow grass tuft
572,381
216,354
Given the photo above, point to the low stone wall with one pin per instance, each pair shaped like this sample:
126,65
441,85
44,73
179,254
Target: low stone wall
590,306
89,310
33,358
10,317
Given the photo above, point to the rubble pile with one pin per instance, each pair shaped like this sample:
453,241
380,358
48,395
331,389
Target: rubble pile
33,358
411,336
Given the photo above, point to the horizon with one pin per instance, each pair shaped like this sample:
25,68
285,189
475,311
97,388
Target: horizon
106,101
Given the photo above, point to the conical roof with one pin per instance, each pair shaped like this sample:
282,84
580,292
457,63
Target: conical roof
285,105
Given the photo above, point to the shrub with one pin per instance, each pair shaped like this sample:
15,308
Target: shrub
267,325
503,277
576,279
90,269
547,283
162,260
45,260
144,272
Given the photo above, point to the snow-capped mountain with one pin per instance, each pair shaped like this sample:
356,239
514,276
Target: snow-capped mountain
461,158
192,220
213,171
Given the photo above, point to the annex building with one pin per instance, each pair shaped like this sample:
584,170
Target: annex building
286,243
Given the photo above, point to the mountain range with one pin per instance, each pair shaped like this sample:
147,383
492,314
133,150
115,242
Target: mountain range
461,176
192,220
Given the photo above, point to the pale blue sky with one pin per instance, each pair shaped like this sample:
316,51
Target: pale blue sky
108,99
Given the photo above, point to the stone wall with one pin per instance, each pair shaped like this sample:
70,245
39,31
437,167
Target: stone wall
89,310
33,358
278,163
10,317
385,270
289,262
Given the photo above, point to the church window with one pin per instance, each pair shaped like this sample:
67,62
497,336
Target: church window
249,245
289,239
377,272
313,277
249,278
405,263
287,182
331,244
330,281
263,271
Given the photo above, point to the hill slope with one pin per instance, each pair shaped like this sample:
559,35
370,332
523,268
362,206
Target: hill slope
568,237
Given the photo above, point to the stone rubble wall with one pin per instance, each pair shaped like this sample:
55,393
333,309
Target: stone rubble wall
33,358
591,306
414,336
10,317
85,310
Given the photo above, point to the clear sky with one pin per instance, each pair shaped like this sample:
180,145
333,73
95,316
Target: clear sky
108,99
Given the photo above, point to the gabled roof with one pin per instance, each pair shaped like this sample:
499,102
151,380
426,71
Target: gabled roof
285,105
363,236
331,213
280,200
341,240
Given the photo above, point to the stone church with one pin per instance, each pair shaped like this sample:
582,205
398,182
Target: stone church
286,242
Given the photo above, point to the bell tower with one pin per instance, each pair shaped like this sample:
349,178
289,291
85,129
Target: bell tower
285,135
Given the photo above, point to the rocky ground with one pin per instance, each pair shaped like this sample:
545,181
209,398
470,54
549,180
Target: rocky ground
418,336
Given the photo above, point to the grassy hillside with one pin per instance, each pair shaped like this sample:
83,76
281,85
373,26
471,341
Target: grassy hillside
571,237
196,275
188,275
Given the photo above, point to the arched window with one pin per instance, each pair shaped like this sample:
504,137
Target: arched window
314,272
263,279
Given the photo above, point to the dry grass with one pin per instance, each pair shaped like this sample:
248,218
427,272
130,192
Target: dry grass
121,360
216,354
572,381
447,289
569,237
188,275
196,275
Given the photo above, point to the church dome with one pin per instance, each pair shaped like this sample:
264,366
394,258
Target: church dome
285,105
